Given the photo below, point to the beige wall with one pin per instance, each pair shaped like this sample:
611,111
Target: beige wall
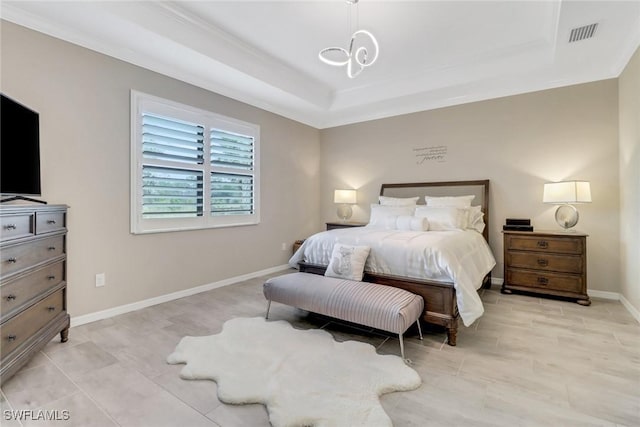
518,142
629,95
83,101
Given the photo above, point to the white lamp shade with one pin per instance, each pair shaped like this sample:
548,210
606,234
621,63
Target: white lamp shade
567,192
344,196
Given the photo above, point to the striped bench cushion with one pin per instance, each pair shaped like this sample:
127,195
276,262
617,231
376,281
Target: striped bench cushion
377,306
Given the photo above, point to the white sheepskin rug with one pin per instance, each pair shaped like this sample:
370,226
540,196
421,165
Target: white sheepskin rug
303,377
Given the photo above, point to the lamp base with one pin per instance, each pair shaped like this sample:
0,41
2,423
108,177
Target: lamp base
344,212
567,217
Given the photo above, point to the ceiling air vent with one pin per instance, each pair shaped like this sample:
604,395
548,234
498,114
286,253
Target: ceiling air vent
582,33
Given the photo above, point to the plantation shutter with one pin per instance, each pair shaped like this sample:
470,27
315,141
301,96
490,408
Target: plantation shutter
191,168
232,173
170,191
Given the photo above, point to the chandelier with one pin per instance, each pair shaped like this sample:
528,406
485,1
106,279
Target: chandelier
357,57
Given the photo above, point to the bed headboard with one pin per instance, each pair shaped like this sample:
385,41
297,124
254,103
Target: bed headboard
451,188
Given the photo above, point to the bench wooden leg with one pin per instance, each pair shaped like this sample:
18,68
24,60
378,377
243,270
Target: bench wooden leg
452,334
419,328
401,346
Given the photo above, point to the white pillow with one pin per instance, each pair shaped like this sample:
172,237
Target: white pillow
412,223
443,217
379,214
396,201
476,219
347,262
455,201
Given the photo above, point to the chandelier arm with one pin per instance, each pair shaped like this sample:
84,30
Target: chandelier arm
360,56
333,62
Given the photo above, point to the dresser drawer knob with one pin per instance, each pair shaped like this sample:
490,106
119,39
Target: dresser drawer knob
543,262
10,227
11,297
51,308
11,338
12,260
543,244
51,221
543,281
51,248
52,277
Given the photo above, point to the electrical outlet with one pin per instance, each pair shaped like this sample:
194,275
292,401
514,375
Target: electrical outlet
284,247
101,279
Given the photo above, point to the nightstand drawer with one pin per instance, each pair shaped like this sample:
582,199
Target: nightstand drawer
561,245
546,262
23,326
19,292
544,280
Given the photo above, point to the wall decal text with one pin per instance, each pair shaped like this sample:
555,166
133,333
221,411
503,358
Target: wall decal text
436,153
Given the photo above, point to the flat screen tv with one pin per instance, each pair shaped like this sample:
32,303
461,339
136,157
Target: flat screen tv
19,150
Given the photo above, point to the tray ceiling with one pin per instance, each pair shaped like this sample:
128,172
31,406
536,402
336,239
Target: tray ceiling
432,53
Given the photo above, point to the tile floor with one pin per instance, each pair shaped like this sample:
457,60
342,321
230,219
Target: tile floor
527,362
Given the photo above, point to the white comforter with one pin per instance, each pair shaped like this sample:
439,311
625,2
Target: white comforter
461,257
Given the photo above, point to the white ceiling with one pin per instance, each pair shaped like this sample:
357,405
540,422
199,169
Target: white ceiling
432,53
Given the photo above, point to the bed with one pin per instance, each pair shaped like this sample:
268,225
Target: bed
463,260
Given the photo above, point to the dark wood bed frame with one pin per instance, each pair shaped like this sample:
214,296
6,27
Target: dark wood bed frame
439,297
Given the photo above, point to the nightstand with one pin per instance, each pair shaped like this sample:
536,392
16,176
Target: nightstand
547,263
334,225
296,245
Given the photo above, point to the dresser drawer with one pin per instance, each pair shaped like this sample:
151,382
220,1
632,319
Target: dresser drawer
544,280
47,222
16,226
16,293
17,330
560,245
546,262
25,255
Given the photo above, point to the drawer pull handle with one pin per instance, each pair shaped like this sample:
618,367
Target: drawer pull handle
10,227
543,262
543,244
543,280
11,338
51,308
51,221
11,297
12,260
51,248
52,277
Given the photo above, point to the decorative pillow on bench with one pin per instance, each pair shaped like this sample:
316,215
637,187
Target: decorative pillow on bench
347,262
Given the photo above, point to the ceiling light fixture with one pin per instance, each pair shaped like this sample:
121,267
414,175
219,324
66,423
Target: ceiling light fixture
355,60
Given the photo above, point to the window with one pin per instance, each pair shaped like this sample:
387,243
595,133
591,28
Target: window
191,168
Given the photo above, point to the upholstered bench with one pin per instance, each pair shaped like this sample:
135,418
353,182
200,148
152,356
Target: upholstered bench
377,306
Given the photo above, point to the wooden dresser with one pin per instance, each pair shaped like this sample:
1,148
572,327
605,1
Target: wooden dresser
33,287
546,262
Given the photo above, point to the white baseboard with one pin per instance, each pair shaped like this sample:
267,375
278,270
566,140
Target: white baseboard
115,311
603,294
110,312
630,308
618,297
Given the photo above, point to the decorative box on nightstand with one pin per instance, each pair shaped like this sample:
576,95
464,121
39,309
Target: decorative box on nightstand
546,262
334,225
